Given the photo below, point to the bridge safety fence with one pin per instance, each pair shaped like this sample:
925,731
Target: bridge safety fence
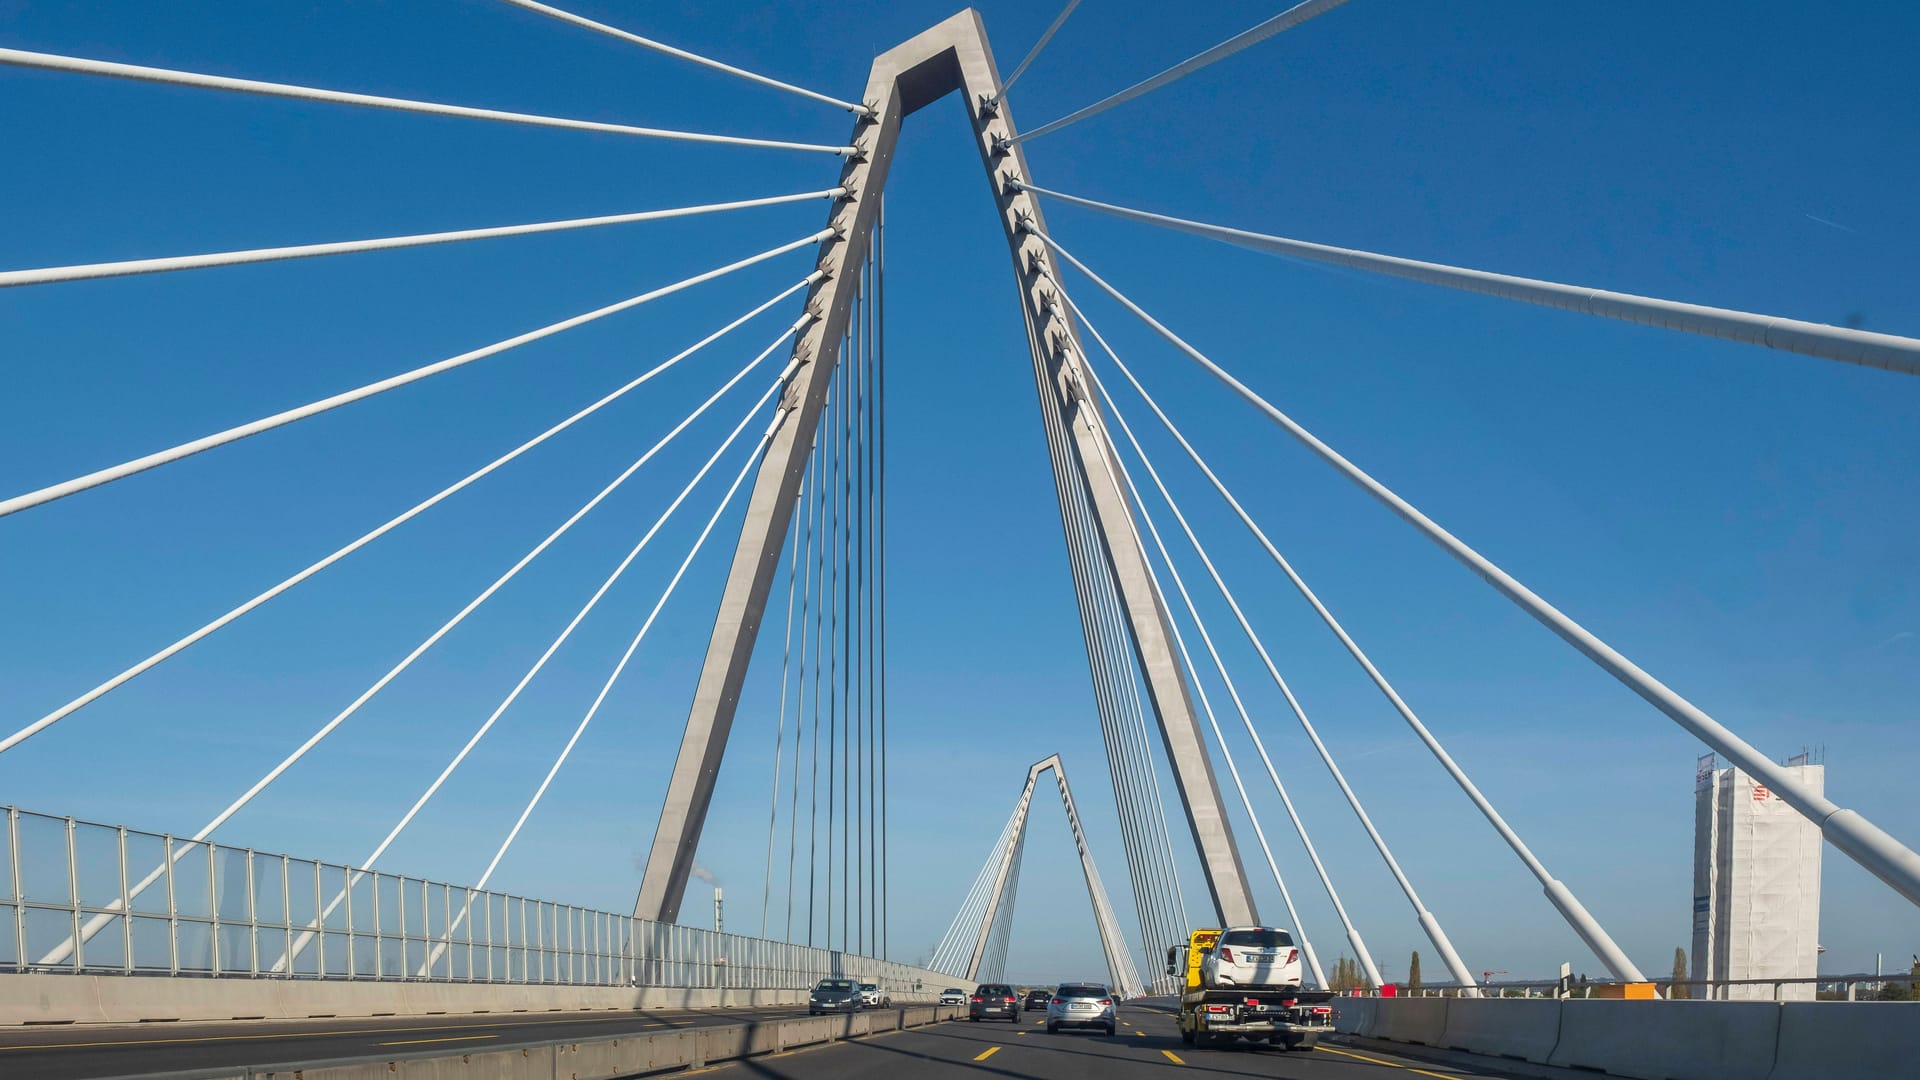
84,898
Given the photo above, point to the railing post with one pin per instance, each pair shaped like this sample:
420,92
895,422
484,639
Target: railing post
126,908
73,897
253,921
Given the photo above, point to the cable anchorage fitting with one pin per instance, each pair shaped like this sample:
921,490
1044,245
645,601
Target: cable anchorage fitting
1001,145
989,105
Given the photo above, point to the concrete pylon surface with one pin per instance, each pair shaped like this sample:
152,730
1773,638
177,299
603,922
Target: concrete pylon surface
951,56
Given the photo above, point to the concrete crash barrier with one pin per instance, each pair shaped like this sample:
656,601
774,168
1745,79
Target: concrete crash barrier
1839,1040
1669,1040
1523,1028
592,1059
1354,1015
1410,1020
118,999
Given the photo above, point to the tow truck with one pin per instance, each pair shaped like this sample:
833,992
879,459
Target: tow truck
1285,1017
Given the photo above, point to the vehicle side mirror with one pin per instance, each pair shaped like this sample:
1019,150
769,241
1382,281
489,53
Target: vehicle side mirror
1173,961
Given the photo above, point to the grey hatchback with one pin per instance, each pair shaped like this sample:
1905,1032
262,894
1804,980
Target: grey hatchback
1081,1005
994,1001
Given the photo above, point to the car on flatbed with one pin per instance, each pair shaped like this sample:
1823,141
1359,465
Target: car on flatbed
994,1001
1253,992
1081,1005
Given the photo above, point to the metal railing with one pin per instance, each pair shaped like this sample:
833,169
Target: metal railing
1855,987
71,902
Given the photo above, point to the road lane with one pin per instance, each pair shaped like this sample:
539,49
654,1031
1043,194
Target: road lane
69,1052
1147,1047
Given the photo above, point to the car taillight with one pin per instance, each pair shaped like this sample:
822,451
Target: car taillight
1009,1001
1106,1001
1253,1003
976,997
1322,1010
1059,1001
1292,955
1226,955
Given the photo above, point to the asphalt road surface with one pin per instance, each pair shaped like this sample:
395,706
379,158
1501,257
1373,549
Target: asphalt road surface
1147,1047
71,1052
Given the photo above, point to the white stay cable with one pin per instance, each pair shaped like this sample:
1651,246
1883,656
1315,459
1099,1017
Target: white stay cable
268,423
1864,347
1425,917
1052,29
82,66
128,267
1864,842
746,467
392,523
694,58
1286,20
1563,899
561,639
1206,637
972,906
392,673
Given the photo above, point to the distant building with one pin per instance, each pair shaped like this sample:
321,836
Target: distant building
1756,882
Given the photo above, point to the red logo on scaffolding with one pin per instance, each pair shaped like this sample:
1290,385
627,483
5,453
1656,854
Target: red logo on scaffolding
1760,793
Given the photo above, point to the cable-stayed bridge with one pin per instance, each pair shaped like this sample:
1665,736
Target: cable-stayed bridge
782,462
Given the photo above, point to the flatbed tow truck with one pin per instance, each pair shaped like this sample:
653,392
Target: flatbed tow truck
1286,1017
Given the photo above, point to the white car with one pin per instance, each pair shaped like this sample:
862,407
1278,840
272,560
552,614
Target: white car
872,997
1247,957
953,996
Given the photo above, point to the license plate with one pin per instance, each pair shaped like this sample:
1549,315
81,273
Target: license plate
1080,1006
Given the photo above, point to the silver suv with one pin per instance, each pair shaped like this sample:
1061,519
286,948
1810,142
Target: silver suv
1081,1005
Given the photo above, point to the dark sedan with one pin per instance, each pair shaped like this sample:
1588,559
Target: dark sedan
834,995
994,1001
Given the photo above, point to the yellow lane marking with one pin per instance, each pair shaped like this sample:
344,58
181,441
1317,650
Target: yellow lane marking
1022,1034
989,1052
1388,1064
450,1038
1173,1057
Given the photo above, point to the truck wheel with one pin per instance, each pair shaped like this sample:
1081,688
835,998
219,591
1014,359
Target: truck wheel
1292,1044
1186,1036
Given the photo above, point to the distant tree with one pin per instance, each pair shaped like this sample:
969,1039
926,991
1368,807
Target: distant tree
1679,975
1347,976
1413,971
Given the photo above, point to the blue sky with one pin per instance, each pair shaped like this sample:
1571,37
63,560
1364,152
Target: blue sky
1739,522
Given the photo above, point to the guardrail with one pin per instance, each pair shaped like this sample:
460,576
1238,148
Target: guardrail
72,902
593,1059
1661,1040
1825,987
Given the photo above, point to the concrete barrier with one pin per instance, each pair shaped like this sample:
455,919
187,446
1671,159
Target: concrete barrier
1669,1040
1523,1028
1354,1015
592,1059
1410,1020
119,999
1834,1040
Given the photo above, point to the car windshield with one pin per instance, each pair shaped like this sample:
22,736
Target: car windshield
1082,991
953,990
868,986
1258,939
836,985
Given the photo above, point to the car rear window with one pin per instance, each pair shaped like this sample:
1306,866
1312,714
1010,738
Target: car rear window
1082,991
1258,939
996,990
